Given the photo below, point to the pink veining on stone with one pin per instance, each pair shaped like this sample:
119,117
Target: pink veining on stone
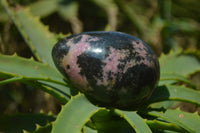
141,50
128,65
112,61
139,46
142,53
146,62
71,60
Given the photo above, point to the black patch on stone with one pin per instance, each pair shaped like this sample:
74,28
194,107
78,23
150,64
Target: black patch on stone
91,68
68,67
121,66
133,54
130,56
110,75
77,39
136,78
59,51
137,42
139,58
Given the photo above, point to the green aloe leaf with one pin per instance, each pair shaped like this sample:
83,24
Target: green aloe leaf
180,64
170,78
44,8
36,74
175,68
160,125
137,122
18,122
187,121
36,34
89,130
74,115
175,93
107,121
22,68
62,93
41,129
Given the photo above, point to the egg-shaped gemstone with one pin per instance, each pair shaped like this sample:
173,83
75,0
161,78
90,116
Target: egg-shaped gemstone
112,69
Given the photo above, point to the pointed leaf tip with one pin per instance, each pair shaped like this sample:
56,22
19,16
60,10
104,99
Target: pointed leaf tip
76,112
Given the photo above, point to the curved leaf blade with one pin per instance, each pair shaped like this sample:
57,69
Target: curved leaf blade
59,91
175,93
188,121
37,36
38,9
89,130
53,89
36,74
74,115
170,78
164,125
135,121
22,68
184,64
108,121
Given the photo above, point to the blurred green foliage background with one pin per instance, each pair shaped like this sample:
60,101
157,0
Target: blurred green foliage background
163,24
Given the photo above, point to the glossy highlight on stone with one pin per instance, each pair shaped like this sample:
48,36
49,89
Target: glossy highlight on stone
112,69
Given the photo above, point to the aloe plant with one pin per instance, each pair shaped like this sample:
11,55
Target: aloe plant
80,115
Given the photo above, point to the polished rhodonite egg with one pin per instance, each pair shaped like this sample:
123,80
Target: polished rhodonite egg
112,69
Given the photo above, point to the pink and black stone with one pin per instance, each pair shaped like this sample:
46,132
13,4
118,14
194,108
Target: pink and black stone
112,69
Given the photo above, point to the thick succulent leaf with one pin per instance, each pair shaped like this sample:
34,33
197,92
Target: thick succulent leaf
89,130
180,64
175,93
165,104
22,68
44,8
48,78
170,78
62,93
18,122
160,125
41,129
188,121
137,122
36,35
107,121
66,91
74,115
